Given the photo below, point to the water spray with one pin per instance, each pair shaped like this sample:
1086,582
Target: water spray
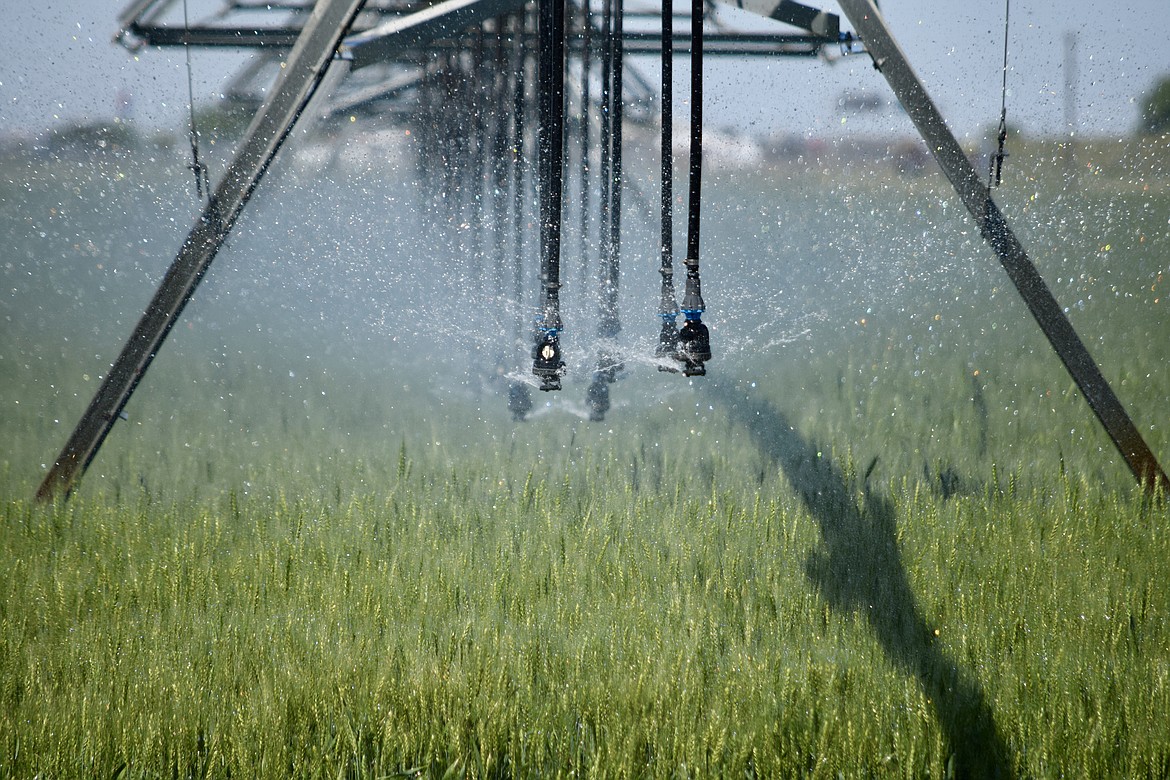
325,37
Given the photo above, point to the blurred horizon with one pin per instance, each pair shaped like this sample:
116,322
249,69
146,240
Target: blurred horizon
61,67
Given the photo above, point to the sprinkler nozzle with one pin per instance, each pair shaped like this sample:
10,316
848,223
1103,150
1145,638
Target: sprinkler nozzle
694,345
546,361
519,401
597,397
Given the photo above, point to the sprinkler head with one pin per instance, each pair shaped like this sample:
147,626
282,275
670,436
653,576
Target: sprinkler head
519,401
694,346
597,397
546,361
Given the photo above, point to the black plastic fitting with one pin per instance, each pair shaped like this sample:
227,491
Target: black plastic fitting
694,347
546,361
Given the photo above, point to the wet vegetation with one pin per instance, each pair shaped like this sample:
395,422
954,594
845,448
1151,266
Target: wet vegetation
884,537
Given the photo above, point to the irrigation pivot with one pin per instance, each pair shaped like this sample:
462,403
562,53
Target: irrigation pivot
407,33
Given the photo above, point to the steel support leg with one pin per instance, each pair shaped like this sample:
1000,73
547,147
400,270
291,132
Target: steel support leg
891,61
299,79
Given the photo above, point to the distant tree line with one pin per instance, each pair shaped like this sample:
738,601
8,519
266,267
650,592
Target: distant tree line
221,123
226,122
1156,110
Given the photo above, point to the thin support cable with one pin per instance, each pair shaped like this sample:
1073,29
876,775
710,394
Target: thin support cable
995,167
450,148
475,175
202,181
498,160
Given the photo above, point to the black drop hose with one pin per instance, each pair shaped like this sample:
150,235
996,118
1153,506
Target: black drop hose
694,339
667,307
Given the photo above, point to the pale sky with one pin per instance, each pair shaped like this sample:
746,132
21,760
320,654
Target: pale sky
58,63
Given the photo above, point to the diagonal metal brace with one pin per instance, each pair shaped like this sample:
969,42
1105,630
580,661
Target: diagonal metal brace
891,61
303,72
441,20
321,39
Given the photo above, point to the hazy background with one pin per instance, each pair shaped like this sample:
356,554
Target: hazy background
58,64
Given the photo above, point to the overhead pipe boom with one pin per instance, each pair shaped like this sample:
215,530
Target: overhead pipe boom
441,20
891,61
821,24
